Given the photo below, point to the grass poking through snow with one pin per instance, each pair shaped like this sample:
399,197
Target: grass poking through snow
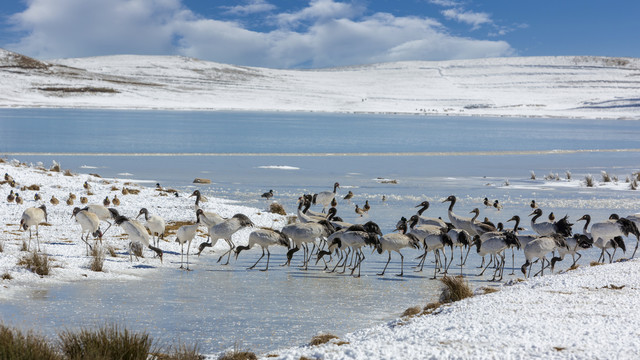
456,288
36,263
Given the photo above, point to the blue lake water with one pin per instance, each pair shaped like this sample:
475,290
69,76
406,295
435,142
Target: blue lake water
430,157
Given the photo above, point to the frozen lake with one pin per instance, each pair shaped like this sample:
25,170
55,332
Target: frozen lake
294,153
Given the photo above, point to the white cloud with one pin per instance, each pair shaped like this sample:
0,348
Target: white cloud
319,10
325,33
450,3
253,7
468,17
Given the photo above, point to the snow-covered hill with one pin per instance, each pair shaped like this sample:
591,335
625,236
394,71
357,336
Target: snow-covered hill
568,86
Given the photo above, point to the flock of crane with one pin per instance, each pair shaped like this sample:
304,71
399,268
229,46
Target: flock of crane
324,234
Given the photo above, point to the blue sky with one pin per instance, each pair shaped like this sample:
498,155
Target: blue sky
320,33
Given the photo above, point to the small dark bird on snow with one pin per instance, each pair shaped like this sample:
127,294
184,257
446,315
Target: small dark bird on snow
533,204
37,197
268,195
106,202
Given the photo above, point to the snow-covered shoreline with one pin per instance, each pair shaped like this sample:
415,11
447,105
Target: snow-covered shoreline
585,313
61,239
533,87
588,313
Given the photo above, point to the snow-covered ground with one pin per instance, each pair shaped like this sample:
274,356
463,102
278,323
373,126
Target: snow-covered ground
567,86
60,239
585,313
588,313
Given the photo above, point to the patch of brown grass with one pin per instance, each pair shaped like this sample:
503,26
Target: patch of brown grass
1,246
172,226
431,307
107,342
595,263
133,191
68,173
24,246
276,208
7,276
34,187
558,348
237,354
114,188
489,290
573,267
321,339
456,288
18,346
112,251
97,259
36,263
614,287
412,311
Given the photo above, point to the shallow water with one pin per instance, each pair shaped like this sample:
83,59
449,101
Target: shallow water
218,306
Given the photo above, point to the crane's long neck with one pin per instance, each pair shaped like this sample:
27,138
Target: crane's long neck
586,224
423,209
453,202
335,186
473,219
535,217
515,227
146,216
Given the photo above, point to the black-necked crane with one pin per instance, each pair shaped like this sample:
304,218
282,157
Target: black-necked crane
301,234
104,214
155,224
199,198
495,245
604,232
574,244
137,233
635,218
324,198
423,220
225,230
186,234
209,219
263,238
434,239
33,216
458,222
336,221
460,239
396,242
353,240
90,223
539,248
480,228
303,207
545,228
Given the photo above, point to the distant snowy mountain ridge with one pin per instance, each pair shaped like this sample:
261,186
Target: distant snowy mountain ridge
566,86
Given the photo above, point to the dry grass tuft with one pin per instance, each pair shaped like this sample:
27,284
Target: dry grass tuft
68,173
172,227
456,288
34,187
7,276
114,188
55,167
97,259
558,348
431,307
276,208
533,175
605,177
595,263
322,339
17,346
568,174
133,191
589,181
107,342
489,290
1,246
412,311
633,185
24,246
36,263
237,354
112,251
614,287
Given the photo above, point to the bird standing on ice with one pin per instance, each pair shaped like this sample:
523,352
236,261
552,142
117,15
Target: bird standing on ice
137,233
324,198
33,216
90,224
264,238
155,224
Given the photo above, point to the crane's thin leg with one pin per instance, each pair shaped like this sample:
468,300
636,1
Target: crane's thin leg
254,265
385,267
268,256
